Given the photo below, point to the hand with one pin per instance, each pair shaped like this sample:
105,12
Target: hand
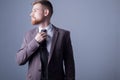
41,37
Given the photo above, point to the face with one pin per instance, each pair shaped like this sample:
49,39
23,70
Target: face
37,14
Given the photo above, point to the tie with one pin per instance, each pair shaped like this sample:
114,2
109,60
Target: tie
44,59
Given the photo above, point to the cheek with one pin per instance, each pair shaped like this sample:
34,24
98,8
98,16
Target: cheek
38,16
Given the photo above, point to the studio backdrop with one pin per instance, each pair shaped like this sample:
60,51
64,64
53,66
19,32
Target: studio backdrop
95,35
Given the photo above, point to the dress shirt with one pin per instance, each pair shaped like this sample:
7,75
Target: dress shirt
49,29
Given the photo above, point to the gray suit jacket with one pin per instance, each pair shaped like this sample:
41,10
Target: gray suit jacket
60,62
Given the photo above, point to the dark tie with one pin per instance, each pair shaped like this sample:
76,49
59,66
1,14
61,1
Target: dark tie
44,59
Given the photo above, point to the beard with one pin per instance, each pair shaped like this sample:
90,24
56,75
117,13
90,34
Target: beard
35,21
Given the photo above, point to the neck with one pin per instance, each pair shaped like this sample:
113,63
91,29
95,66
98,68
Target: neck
44,24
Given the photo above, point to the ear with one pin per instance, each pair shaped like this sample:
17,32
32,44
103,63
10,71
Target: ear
46,12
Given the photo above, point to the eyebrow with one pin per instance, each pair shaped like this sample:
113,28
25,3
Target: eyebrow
35,9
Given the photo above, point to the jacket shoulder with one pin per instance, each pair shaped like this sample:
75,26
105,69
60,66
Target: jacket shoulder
60,30
31,31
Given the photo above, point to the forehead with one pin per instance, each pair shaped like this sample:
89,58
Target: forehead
37,6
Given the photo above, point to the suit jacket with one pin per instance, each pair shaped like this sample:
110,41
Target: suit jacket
60,62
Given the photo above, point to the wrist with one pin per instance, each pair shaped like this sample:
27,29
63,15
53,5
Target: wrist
37,40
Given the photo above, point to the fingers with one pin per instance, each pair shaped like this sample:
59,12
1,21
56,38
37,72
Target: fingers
41,36
43,33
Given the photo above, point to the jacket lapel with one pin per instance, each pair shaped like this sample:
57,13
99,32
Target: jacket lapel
54,39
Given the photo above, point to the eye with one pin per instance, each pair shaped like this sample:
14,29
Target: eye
37,9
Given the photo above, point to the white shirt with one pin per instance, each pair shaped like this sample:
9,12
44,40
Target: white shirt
49,29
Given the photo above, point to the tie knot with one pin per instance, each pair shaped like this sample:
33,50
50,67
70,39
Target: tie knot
44,30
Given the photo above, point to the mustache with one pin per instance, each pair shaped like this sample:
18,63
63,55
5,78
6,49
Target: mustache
33,17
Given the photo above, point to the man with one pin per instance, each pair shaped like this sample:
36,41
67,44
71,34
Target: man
54,61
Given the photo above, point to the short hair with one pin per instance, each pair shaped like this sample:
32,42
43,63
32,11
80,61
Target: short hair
46,3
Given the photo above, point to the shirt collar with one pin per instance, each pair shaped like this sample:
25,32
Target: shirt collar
48,28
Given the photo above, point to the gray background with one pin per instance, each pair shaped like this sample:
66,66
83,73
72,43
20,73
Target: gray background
95,34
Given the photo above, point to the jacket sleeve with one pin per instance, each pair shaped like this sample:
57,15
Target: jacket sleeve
26,50
69,58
